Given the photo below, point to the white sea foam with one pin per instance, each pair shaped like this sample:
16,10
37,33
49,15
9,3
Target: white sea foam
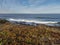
32,21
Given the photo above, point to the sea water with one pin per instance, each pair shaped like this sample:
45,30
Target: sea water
48,19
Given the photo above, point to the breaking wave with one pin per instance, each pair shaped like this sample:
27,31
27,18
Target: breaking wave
32,21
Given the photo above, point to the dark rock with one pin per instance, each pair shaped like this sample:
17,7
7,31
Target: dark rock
2,21
57,42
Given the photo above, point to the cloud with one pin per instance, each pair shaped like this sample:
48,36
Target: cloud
36,2
42,9
29,6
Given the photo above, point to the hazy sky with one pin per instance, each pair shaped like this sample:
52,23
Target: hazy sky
29,6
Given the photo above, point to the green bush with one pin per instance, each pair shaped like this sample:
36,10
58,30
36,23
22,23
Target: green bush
2,21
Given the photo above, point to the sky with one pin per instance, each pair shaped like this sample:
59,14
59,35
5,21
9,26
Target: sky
30,6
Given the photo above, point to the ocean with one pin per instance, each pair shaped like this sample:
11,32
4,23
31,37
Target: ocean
47,19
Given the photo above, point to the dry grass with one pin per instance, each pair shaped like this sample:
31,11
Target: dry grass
12,34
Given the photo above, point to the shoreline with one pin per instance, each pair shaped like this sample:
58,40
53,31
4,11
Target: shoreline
32,22
3,21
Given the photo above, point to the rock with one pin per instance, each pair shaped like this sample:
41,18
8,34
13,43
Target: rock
57,42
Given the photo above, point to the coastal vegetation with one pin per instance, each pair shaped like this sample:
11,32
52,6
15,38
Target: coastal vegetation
14,34
2,21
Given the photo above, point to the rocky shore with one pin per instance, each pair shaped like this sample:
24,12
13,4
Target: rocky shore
22,34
